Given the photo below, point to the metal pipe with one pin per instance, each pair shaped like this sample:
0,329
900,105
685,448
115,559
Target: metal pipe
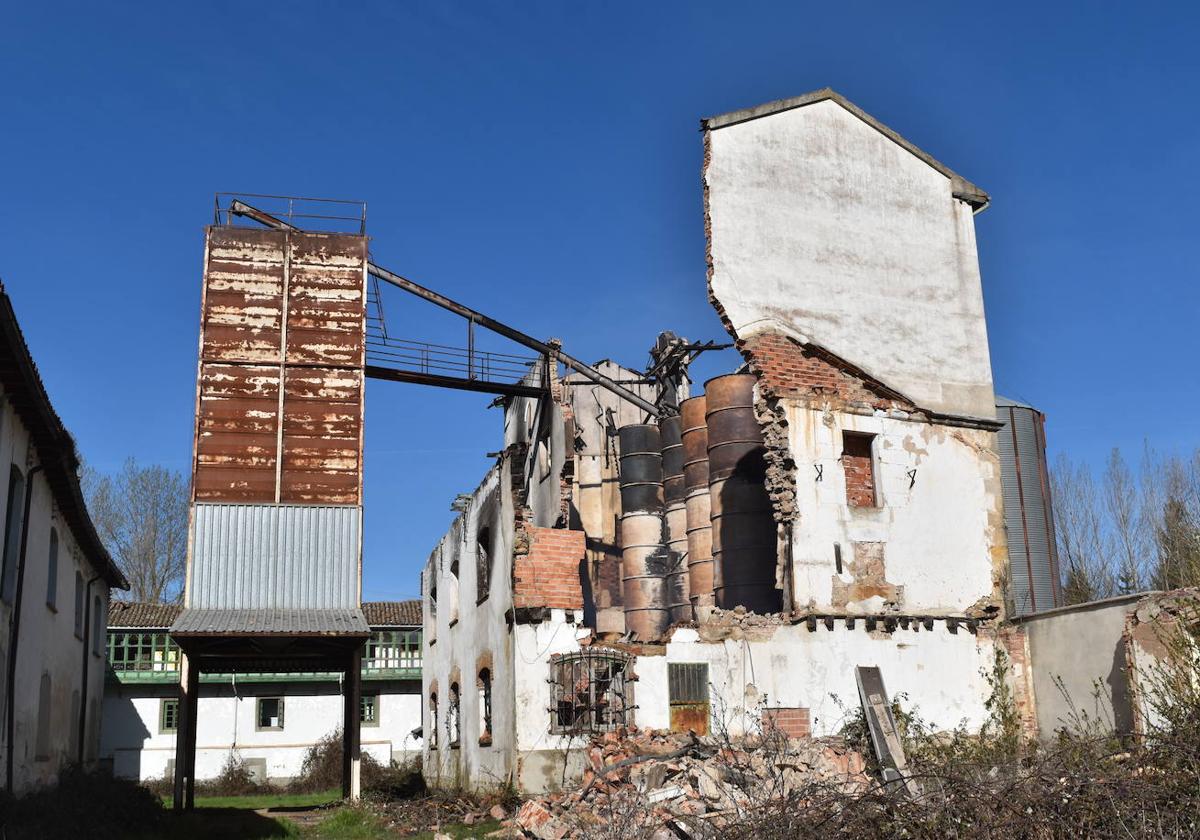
240,208
14,631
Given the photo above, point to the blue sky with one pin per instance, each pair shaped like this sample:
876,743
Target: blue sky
541,162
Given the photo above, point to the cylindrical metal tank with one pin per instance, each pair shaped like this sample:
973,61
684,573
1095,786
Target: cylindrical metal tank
744,536
1033,571
697,509
644,557
675,519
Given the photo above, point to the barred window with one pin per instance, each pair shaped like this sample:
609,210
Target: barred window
589,691
168,715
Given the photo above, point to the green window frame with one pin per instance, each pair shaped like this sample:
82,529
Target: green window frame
368,708
268,709
168,715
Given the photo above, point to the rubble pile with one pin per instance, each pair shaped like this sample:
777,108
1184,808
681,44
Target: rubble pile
670,785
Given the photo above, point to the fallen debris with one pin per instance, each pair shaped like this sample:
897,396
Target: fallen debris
643,783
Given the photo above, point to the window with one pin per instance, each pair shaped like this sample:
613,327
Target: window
78,604
454,590
485,708
42,750
483,563
589,691
52,572
393,652
168,715
687,695
148,652
452,719
97,625
368,709
270,713
433,722
13,516
859,465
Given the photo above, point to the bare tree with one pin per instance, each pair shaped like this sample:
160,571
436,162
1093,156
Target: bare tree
1131,545
141,513
1081,545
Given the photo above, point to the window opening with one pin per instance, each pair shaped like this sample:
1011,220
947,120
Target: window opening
12,531
483,563
270,713
369,709
589,691
859,465
168,715
485,707
52,572
433,722
452,718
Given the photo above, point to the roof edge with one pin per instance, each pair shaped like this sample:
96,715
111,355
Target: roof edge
961,188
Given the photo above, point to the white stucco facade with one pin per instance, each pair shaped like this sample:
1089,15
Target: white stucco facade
138,747
821,221
58,674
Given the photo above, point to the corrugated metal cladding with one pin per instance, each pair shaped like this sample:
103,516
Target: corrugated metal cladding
274,556
1034,581
281,309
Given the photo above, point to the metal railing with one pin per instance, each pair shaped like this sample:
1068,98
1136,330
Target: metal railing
331,215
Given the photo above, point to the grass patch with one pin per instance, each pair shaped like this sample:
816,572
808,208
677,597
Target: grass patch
350,823
459,831
257,801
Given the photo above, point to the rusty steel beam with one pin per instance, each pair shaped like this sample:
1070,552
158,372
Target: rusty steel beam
240,208
515,389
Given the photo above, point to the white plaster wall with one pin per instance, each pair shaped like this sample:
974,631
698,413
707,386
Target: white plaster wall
824,224
47,643
131,738
940,674
534,646
942,532
456,645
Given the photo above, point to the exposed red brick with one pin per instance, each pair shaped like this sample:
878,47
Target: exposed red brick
548,574
859,466
787,368
794,722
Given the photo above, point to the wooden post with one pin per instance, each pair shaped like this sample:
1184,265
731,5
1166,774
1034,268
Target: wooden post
351,755
185,734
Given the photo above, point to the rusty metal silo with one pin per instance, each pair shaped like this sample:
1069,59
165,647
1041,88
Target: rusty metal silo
698,510
744,535
645,560
675,532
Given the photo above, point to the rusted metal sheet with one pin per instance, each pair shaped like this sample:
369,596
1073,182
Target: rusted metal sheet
290,307
699,522
744,540
688,696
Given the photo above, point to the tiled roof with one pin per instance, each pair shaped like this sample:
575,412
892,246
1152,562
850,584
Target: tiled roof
393,613
207,622
141,614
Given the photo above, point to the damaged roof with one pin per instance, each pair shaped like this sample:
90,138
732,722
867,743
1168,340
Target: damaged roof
56,451
962,188
393,613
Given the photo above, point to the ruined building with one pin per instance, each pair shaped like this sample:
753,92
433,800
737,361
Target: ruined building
733,555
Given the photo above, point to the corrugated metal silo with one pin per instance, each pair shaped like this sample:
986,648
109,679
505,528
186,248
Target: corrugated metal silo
1034,582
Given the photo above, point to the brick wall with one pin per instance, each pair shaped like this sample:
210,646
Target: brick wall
793,722
789,369
860,470
548,574
1014,641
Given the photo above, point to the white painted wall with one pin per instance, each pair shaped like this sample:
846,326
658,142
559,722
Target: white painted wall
138,749
823,224
48,644
943,526
457,636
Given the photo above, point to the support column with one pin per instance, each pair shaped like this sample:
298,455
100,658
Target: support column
351,749
185,734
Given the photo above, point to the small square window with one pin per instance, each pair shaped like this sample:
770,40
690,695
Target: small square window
168,715
270,713
368,707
